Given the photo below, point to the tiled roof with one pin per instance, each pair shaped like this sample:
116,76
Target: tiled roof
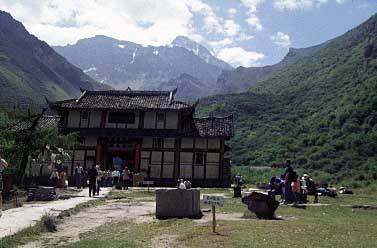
209,127
214,126
123,100
43,122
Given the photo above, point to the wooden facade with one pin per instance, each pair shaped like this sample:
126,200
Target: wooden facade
149,132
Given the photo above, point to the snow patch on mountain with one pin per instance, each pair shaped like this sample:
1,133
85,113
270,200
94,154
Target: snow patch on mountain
90,69
133,56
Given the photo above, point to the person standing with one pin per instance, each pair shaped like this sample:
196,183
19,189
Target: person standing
116,175
54,178
79,171
126,178
287,177
3,165
99,178
296,188
92,174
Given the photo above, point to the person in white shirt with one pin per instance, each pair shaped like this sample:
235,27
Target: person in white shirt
3,165
182,184
116,175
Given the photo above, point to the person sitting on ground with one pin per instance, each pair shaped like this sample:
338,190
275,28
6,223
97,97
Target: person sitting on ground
3,165
275,187
92,174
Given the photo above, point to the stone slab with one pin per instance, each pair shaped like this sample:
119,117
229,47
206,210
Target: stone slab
178,203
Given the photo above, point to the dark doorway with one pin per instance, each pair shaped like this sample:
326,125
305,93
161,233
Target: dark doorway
120,152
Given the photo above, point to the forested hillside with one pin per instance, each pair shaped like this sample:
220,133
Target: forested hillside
320,111
31,70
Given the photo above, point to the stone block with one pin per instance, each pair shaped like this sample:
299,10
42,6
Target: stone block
41,194
262,205
178,203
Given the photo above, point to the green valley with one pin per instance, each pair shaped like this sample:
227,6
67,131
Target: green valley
320,111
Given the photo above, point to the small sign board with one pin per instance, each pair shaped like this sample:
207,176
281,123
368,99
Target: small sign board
148,182
213,200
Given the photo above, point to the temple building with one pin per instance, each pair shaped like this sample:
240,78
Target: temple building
149,132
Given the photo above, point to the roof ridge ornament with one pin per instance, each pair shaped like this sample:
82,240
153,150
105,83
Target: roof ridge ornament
81,96
171,95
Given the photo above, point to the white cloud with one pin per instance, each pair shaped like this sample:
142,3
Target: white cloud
253,20
251,5
232,12
231,28
293,4
142,21
281,39
244,37
238,56
212,23
219,44
302,4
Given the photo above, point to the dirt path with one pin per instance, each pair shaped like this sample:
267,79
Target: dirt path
69,231
16,219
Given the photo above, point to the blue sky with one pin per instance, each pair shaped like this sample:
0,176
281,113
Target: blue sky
241,32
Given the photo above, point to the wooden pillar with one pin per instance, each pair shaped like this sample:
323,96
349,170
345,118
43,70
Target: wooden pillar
66,119
73,160
137,157
141,119
221,164
177,154
98,153
103,119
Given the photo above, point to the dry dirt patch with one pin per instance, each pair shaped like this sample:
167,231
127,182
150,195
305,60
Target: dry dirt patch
69,231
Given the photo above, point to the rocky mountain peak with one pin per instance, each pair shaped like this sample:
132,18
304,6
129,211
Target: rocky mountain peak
200,51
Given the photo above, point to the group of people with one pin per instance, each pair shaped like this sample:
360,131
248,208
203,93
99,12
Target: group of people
96,178
181,184
292,188
59,179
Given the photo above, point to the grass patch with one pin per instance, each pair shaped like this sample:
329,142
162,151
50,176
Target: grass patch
132,195
315,226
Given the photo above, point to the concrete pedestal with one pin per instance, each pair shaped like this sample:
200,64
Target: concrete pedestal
178,203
